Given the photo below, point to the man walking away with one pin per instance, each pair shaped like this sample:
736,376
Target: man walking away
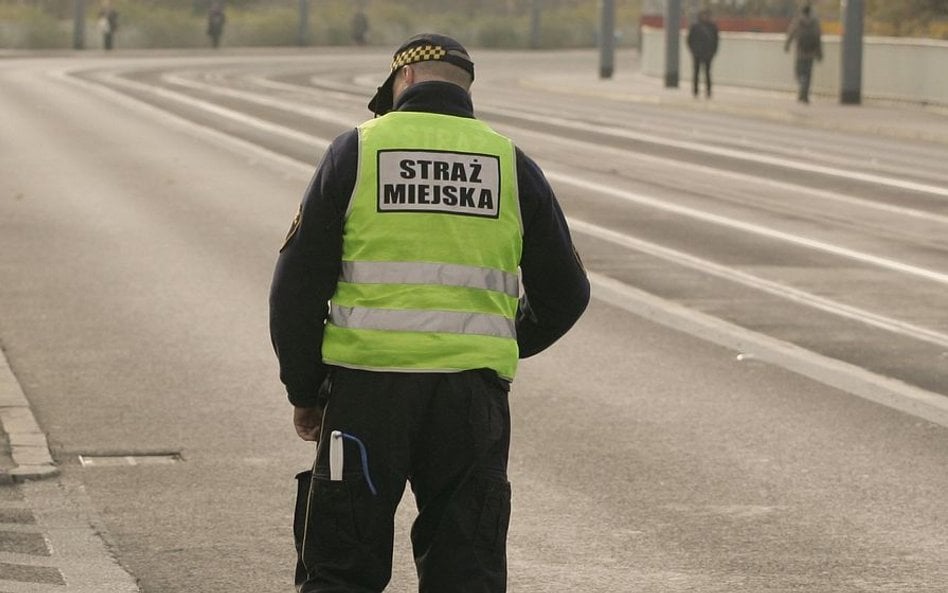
429,255
703,43
360,27
215,23
805,30
108,24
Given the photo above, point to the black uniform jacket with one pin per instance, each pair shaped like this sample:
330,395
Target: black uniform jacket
703,40
554,281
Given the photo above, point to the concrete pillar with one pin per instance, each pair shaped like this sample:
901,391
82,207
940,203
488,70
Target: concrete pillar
672,26
607,38
79,24
851,53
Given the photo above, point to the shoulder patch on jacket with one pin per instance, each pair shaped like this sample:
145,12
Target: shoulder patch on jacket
579,260
294,226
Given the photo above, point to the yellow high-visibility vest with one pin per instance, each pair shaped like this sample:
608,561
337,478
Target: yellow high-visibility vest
431,250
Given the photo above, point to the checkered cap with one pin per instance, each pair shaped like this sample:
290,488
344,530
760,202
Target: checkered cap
420,48
421,53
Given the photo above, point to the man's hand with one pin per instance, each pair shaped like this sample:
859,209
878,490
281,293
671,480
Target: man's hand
308,422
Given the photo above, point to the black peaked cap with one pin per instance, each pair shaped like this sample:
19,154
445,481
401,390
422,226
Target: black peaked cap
420,48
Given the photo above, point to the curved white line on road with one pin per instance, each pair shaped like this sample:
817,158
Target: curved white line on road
830,371
727,152
330,116
630,196
228,141
256,98
747,227
580,145
219,111
858,381
571,180
768,286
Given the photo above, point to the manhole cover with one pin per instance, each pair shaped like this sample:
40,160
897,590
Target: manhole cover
134,459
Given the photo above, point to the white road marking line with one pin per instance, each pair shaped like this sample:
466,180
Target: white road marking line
325,115
748,227
730,153
850,378
575,181
746,177
311,112
858,381
781,290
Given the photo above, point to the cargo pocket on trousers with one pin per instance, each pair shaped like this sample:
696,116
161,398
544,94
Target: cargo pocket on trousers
341,518
491,536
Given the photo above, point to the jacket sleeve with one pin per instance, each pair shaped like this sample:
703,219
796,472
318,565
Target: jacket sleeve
307,271
791,33
556,290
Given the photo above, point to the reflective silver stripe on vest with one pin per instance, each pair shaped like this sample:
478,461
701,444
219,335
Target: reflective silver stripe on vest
428,273
423,321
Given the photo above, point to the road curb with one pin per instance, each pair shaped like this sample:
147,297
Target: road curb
29,448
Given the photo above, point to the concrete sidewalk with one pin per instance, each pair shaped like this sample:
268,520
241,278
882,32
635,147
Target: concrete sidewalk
897,120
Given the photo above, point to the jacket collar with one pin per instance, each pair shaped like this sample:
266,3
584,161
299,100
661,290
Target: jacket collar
436,97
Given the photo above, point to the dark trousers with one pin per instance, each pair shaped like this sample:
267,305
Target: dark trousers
448,434
699,64
804,72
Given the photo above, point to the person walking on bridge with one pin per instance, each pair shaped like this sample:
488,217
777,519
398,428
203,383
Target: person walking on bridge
216,17
805,30
703,43
398,316
108,24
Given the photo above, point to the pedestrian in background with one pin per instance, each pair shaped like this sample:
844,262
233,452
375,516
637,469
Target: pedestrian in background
805,30
107,24
397,316
703,43
360,27
215,22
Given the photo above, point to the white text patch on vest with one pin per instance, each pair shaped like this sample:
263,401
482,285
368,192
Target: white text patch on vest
448,182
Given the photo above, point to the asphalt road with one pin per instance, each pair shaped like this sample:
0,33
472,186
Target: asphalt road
754,402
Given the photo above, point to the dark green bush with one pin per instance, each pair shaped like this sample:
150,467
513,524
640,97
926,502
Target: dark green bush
152,26
268,28
493,23
254,23
27,27
498,32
